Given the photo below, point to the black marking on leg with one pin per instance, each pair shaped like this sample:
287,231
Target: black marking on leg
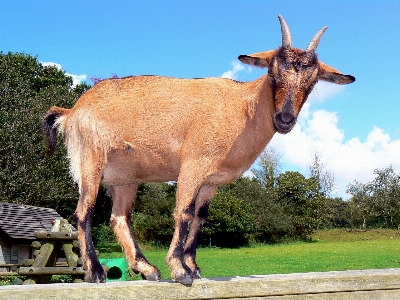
190,210
191,244
183,276
191,248
85,224
178,251
203,211
97,273
201,216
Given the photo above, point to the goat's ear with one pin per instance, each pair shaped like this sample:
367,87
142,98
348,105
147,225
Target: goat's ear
330,74
261,59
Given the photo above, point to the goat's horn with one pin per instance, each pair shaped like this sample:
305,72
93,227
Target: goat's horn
312,46
286,36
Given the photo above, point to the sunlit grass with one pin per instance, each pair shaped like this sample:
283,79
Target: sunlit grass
332,250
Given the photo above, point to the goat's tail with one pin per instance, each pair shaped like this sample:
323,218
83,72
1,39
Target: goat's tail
50,125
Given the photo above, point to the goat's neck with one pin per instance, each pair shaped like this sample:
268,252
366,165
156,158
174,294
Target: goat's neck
261,108
263,99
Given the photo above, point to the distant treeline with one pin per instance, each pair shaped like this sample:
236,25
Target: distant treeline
269,207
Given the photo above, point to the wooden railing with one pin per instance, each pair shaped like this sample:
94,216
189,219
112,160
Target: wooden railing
366,284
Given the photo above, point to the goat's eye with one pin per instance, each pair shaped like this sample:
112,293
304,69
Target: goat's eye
309,68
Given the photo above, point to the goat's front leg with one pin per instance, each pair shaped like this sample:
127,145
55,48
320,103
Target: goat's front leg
202,203
123,202
183,215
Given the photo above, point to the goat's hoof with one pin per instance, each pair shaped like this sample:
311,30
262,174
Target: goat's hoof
97,275
184,279
155,276
196,274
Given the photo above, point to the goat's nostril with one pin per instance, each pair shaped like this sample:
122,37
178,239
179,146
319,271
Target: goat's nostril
287,117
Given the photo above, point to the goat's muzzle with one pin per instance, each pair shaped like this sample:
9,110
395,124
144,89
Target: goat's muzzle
284,121
285,118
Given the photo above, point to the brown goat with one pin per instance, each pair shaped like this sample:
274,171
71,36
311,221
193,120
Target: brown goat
201,132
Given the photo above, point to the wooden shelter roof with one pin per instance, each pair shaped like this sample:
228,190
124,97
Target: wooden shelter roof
22,221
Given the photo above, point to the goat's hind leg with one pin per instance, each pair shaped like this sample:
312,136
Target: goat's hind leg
123,202
90,181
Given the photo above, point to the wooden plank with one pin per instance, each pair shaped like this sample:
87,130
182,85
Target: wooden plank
29,262
47,235
72,258
10,265
45,252
36,245
8,274
354,285
29,271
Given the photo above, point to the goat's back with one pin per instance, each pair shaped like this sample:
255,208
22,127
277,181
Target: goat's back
146,106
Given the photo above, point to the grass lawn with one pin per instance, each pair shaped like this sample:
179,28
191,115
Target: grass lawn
331,250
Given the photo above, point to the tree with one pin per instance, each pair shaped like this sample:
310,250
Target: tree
272,222
295,192
337,213
376,202
27,91
323,185
324,178
230,222
152,218
269,167
360,205
385,191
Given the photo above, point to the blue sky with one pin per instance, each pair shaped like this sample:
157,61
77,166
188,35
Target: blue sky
356,128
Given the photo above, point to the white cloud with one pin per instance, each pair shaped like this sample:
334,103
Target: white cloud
76,79
236,68
53,64
349,160
324,90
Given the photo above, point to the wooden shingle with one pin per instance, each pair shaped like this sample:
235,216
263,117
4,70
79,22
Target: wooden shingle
22,221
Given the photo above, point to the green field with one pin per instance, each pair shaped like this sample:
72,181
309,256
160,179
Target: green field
330,250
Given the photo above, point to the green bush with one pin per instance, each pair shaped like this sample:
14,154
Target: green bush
230,222
152,218
272,222
61,279
103,234
294,191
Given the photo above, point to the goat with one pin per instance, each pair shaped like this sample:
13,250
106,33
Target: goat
201,132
